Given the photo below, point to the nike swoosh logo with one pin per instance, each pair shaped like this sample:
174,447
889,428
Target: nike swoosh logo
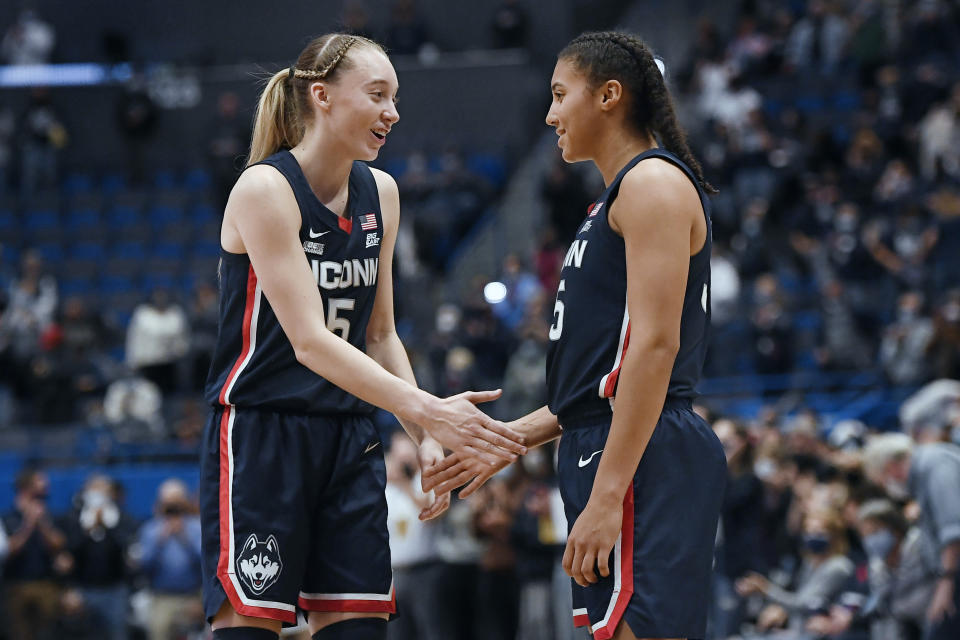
584,463
371,447
317,235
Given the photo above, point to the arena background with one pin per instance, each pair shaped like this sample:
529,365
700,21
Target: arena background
830,127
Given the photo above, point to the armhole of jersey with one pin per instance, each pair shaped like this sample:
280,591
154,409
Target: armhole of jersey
667,156
366,175
293,187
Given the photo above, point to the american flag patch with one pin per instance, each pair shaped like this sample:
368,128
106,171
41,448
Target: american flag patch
368,222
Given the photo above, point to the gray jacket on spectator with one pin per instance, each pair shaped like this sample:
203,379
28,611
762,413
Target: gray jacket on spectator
935,484
817,588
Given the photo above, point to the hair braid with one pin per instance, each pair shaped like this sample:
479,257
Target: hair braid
607,55
284,108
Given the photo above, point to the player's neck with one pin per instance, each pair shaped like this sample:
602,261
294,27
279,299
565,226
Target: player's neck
327,170
618,150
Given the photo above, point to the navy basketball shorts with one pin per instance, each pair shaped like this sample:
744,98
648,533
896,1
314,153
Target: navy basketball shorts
660,568
293,514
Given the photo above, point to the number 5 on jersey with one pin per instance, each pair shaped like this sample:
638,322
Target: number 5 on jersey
557,328
335,322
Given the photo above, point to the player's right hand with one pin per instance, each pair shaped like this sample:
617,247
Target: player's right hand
459,426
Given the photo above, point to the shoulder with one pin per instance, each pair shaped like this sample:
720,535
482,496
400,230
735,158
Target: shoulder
260,181
389,197
658,181
386,185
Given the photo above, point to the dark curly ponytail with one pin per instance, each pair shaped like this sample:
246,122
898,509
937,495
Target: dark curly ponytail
613,55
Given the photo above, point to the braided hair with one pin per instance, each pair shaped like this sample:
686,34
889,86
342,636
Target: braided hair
284,107
614,55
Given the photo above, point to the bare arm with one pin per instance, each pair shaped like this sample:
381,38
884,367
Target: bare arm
261,219
383,343
657,213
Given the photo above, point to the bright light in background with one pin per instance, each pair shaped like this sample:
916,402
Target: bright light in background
495,292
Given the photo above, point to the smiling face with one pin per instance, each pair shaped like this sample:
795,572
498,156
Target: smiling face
359,105
575,112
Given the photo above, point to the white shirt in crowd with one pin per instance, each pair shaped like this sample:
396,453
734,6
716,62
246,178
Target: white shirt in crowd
157,336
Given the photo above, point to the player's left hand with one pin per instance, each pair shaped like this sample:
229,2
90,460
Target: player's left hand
429,455
591,540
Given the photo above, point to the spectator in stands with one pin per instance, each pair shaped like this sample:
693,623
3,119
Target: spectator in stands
29,40
204,318
137,118
498,594
567,199
169,556
903,351
36,560
940,139
99,535
31,307
132,408
537,534
522,287
44,135
930,475
741,525
821,578
818,40
227,146
158,338
898,592
355,19
413,553
944,348
7,130
524,381
511,25
406,32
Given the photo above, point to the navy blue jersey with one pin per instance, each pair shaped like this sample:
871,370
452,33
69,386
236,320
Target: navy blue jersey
254,363
591,324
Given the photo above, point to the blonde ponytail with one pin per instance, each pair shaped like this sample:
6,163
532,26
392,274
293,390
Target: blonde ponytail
276,125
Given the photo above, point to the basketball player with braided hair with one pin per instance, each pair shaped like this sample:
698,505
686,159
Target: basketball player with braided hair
292,470
641,475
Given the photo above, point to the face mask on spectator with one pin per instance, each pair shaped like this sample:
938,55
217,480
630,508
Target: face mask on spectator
879,543
817,543
765,468
896,489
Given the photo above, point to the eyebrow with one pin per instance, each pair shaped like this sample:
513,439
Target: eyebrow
556,85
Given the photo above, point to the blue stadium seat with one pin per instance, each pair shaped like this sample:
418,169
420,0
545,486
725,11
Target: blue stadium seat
489,166
164,179
163,215
169,250
42,220
76,287
197,179
112,284
113,183
203,213
87,251
131,250
154,280
75,183
82,219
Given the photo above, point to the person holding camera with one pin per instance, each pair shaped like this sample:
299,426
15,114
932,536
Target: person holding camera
169,556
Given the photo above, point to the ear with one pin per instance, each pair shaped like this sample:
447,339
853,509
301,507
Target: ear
272,544
251,543
319,94
610,94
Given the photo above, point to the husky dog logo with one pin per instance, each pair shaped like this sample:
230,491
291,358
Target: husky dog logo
259,563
